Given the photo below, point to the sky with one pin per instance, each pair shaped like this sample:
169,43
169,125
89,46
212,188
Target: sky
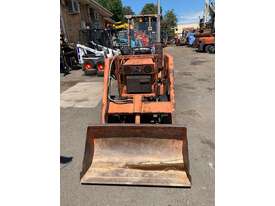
187,11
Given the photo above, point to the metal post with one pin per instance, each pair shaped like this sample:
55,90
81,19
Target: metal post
158,23
129,38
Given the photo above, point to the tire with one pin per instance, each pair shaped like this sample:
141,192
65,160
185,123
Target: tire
207,48
212,49
201,47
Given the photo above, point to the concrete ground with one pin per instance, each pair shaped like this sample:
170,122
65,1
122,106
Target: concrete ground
194,87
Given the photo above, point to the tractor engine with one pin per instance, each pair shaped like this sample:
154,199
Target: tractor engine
138,76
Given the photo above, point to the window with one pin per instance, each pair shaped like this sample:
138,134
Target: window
96,15
73,6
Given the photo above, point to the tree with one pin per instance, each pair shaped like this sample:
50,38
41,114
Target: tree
114,6
149,8
170,18
169,22
104,3
127,10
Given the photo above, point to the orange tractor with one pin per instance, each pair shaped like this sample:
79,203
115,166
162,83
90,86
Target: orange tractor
206,42
137,142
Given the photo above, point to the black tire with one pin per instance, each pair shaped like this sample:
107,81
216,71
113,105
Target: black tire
212,49
207,48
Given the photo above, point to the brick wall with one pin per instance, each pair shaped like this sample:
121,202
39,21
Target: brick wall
84,13
71,23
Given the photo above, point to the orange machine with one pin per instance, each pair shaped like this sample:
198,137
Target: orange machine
137,142
147,94
206,43
205,40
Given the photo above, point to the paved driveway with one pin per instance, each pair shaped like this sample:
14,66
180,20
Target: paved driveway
194,86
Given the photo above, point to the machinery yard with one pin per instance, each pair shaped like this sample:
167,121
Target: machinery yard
194,93
125,103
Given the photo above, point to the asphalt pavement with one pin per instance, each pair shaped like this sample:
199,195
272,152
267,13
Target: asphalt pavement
195,103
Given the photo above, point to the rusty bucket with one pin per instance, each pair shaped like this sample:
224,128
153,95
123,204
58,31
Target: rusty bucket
128,154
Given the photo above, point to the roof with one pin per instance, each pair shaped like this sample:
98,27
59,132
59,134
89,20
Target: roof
100,9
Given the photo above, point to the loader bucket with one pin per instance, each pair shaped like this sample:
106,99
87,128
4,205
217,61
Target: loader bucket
155,155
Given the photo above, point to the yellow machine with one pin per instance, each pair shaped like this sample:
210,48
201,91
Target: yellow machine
120,26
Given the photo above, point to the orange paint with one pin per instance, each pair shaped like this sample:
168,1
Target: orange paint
138,106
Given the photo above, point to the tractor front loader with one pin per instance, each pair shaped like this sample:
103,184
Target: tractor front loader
137,142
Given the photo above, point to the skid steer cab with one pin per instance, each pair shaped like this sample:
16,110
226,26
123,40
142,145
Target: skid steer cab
138,142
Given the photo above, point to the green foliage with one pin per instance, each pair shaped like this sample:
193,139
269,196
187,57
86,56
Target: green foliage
104,3
127,10
115,6
170,18
149,8
169,22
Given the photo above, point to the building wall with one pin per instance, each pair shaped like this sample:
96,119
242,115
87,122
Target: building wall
101,22
73,23
97,20
181,27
